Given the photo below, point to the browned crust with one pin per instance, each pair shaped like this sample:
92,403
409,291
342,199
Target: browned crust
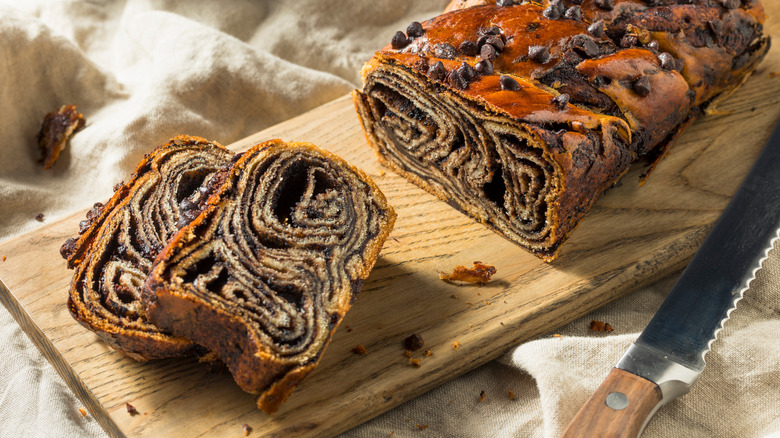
254,368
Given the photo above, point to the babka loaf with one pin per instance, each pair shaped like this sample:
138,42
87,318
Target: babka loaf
120,240
521,115
266,273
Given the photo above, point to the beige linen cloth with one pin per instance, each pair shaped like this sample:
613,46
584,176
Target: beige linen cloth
144,71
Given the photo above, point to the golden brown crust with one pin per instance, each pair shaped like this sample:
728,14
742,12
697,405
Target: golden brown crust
120,240
266,273
522,115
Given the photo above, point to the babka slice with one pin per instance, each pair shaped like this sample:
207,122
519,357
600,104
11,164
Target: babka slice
120,240
266,273
521,115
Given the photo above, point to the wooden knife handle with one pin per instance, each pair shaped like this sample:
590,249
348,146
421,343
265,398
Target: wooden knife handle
618,408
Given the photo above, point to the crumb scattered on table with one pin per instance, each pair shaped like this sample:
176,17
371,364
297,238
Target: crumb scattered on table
415,362
456,345
556,335
479,274
408,353
131,409
247,429
428,353
600,326
482,396
83,412
414,342
422,426
359,349
39,217
510,394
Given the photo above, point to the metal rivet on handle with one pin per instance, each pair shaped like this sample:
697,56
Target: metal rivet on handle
617,401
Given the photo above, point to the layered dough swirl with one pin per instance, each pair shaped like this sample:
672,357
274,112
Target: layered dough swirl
120,240
266,273
521,115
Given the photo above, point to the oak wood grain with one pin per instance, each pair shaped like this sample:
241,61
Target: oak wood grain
633,236
615,420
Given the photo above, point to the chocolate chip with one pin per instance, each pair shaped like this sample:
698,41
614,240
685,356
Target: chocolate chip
508,83
561,101
540,54
186,204
39,217
414,342
488,52
551,13
467,72
597,29
484,67
641,86
118,185
602,81
400,40
457,80
629,40
437,71
415,30
573,13
68,248
653,45
586,45
84,226
444,50
492,30
667,61
730,4
505,2
496,42
606,5
469,48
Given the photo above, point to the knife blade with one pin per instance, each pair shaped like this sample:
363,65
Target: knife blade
668,357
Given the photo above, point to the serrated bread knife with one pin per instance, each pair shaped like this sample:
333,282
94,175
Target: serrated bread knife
668,357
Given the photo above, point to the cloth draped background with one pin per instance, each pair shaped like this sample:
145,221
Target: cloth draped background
143,71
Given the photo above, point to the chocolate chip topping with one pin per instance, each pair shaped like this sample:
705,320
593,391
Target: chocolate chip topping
415,30
488,52
467,72
586,46
508,83
667,61
560,101
492,30
400,40
505,2
484,67
457,80
437,71
573,13
606,5
629,40
540,54
469,48
597,29
641,86
497,42
444,50
551,13
653,45
414,342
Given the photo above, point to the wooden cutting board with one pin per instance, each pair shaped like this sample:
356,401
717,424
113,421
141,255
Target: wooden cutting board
633,236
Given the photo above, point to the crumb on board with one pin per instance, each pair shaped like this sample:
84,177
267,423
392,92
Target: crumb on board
422,426
482,396
600,326
428,353
39,217
479,274
131,409
515,340
5,258
83,412
57,128
415,362
773,74
408,353
556,335
456,345
247,429
510,394
414,342
348,328
360,349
